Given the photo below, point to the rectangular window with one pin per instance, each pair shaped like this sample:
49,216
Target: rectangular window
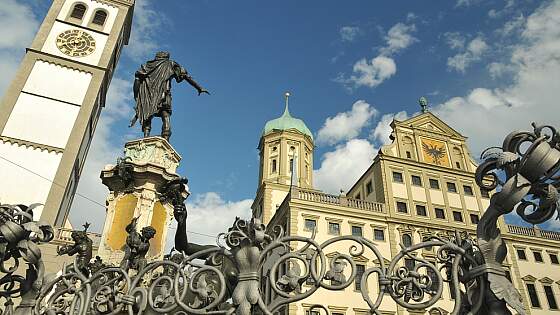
468,190
521,254
369,188
401,207
451,187
334,228
416,180
533,295
356,230
440,213
310,224
421,210
273,167
397,177
360,269
484,193
457,216
434,183
433,276
409,263
538,256
550,297
379,234
474,218
408,155
553,258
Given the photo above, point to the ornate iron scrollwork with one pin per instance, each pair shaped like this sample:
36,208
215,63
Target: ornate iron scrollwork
230,277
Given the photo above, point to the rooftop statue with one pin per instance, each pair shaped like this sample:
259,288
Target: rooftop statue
152,92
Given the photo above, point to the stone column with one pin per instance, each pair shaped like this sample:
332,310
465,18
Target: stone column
135,185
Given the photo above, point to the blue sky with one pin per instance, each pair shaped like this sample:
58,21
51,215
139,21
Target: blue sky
487,67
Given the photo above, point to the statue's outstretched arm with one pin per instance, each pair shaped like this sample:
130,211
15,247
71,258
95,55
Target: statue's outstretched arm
182,243
184,75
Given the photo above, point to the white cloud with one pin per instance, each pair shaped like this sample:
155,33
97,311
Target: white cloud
512,25
487,98
507,9
346,125
410,16
493,13
382,67
474,51
342,167
382,131
466,3
18,26
532,96
398,38
454,40
349,33
147,24
371,74
208,213
499,69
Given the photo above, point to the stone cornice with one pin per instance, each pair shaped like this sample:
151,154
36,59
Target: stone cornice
65,62
425,166
30,144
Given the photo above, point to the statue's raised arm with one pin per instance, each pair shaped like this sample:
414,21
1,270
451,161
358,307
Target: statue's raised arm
152,91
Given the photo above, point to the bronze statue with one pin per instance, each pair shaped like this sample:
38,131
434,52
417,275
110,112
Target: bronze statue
19,238
152,91
137,246
83,246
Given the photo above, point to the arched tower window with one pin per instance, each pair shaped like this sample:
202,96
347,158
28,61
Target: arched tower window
458,158
99,17
78,11
273,166
408,147
407,240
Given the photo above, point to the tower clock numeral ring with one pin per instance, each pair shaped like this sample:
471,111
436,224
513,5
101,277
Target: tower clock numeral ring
75,43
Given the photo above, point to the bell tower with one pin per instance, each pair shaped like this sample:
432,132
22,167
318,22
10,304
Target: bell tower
286,158
51,109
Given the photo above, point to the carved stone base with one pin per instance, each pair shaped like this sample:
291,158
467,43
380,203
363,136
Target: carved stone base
136,183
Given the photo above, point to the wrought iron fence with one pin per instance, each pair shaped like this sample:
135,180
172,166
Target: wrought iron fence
227,278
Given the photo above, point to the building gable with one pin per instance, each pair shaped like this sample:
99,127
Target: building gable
430,123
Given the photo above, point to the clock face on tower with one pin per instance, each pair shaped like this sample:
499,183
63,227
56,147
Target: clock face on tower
75,43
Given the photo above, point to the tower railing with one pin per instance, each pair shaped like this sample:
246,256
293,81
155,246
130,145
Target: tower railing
534,232
317,196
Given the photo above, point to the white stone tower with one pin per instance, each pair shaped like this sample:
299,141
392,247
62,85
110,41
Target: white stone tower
286,142
51,108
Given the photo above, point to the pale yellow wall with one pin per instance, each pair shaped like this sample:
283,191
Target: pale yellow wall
393,158
124,212
540,271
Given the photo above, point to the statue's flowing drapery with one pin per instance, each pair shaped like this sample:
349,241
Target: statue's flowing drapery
152,87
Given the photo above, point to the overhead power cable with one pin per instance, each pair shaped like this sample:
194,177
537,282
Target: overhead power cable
77,193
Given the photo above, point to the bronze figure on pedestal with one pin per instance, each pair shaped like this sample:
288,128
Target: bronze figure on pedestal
152,91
